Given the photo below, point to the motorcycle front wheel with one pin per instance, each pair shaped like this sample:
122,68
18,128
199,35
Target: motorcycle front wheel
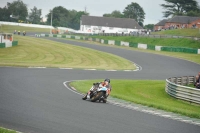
84,97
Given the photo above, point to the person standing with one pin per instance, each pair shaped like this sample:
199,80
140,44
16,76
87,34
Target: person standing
197,83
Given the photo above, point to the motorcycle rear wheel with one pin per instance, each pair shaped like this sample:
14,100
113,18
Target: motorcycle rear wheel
97,96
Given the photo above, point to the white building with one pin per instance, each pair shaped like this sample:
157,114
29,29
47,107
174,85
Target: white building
93,24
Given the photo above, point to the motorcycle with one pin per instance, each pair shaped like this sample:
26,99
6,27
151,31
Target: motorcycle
96,93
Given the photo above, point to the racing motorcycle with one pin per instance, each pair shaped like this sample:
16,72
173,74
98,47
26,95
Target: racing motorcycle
96,93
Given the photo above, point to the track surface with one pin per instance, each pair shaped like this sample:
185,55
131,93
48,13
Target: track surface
36,101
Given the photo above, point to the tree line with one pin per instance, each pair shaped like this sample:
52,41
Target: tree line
171,9
17,11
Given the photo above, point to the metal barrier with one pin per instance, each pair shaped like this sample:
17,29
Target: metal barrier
147,35
175,88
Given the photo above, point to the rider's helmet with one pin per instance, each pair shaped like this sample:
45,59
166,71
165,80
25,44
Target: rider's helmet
108,80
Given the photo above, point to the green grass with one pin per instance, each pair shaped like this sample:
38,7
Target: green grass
145,92
175,42
46,53
11,28
180,32
186,56
3,130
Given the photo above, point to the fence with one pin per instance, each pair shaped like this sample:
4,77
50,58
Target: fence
137,35
175,88
148,35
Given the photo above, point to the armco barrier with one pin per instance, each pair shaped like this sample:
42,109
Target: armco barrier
151,47
130,44
175,88
105,41
125,44
135,45
142,46
111,42
176,49
14,43
8,44
118,43
2,45
38,35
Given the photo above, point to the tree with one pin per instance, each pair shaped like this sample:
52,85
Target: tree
107,15
60,16
18,9
135,11
115,14
179,7
149,27
193,14
4,14
35,15
75,16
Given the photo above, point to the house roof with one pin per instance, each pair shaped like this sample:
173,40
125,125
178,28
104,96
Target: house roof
110,22
183,19
162,22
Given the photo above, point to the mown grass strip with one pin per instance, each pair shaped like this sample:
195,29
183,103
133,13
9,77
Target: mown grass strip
38,52
145,92
186,56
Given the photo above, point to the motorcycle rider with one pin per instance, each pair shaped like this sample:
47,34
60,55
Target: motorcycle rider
24,33
105,83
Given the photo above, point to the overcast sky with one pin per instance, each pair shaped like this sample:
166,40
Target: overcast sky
152,8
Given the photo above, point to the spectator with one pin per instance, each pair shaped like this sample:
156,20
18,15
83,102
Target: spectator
197,83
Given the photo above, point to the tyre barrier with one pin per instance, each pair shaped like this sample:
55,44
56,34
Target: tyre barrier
175,88
37,35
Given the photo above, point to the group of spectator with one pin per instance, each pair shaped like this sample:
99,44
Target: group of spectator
177,26
182,26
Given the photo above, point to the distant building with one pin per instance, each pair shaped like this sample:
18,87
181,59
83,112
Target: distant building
178,22
93,24
160,25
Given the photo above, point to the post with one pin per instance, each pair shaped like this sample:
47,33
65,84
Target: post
51,22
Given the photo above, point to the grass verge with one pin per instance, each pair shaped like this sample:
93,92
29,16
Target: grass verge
3,130
180,32
174,42
41,52
146,92
11,28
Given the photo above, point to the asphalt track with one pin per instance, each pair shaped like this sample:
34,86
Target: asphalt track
35,100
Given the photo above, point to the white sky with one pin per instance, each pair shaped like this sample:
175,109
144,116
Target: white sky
152,8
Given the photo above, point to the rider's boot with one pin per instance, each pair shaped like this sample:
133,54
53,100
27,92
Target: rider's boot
104,99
